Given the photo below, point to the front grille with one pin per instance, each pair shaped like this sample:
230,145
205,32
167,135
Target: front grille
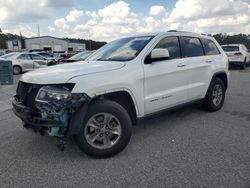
26,93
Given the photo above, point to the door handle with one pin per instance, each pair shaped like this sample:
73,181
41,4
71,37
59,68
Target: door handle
208,61
181,65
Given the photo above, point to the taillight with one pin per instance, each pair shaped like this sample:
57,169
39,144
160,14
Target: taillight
238,53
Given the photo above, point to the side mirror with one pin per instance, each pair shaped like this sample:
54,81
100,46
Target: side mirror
157,54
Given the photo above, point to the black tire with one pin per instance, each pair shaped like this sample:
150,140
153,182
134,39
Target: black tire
248,63
244,65
17,70
208,103
115,109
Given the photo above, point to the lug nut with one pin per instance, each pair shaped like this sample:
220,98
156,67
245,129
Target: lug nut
101,135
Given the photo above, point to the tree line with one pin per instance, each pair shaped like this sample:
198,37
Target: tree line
233,39
90,44
222,38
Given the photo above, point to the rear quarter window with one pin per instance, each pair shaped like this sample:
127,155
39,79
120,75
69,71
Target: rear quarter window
191,47
210,47
231,48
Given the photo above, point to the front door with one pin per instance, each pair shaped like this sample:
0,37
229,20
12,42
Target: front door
165,83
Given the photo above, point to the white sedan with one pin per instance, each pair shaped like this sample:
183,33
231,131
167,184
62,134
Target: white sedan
23,62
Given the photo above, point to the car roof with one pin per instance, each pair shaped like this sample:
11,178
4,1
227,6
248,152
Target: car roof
230,45
175,32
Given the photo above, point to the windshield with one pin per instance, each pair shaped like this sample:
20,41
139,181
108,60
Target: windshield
44,54
6,56
121,50
230,48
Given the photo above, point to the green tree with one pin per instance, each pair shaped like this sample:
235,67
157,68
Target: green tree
3,40
22,42
233,39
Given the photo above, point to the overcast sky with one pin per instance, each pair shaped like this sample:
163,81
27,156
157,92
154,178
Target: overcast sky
106,19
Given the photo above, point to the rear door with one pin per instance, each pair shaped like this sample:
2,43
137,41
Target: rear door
198,65
165,83
25,61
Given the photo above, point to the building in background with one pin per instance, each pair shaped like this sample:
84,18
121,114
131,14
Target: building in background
48,43
13,44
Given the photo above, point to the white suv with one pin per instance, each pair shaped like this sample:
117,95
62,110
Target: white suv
130,78
237,54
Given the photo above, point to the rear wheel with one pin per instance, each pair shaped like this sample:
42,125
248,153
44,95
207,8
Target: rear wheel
248,64
17,70
244,65
215,96
106,129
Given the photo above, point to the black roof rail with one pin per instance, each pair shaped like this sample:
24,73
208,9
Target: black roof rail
172,31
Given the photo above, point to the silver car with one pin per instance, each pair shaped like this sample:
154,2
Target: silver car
23,62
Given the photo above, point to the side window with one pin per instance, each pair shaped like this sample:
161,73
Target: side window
210,47
172,44
36,57
191,47
24,57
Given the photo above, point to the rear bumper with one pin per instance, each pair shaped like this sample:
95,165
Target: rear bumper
238,63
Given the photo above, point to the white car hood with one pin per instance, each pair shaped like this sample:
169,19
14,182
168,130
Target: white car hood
62,73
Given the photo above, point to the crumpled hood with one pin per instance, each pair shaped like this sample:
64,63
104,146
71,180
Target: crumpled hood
62,73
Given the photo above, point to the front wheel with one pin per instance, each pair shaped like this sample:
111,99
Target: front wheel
106,129
17,70
215,96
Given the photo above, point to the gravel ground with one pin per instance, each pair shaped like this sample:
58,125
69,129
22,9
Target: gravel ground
183,148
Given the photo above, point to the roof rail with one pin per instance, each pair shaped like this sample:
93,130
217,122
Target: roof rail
172,31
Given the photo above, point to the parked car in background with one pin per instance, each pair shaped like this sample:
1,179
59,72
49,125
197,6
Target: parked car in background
23,62
63,55
48,56
44,54
36,50
237,55
81,56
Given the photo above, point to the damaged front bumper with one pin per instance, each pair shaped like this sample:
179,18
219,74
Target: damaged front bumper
55,117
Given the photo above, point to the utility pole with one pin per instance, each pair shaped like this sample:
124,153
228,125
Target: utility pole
38,30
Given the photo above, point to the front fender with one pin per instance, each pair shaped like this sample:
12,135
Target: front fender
76,120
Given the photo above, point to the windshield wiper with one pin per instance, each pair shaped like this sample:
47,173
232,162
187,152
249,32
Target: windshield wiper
100,59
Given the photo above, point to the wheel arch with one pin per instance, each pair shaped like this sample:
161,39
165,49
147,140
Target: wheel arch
223,76
122,97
